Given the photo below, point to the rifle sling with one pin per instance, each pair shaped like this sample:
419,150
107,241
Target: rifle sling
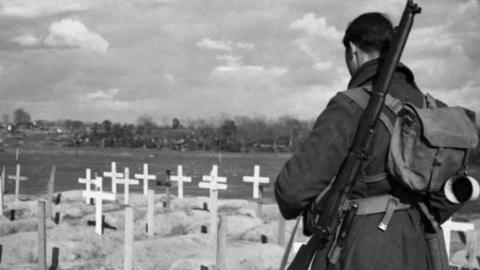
360,96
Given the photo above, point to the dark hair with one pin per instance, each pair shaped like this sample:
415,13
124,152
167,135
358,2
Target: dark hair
370,32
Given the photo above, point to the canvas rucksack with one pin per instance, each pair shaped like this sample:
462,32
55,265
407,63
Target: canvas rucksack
429,145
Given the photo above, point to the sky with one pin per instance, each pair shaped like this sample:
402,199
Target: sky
92,60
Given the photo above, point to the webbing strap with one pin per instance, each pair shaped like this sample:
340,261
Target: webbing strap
360,96
381,204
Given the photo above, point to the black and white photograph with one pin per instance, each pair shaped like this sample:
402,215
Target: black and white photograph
239,134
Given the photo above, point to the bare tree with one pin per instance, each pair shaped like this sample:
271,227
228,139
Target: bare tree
145,125
20,116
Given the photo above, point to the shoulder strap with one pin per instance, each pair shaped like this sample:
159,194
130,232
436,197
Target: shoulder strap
429,102
360,96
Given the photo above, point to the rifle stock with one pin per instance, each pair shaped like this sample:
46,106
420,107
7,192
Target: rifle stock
331,213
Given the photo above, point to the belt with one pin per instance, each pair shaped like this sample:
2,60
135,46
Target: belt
380,204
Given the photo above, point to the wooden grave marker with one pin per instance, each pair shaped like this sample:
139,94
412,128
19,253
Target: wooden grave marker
128,247
4,179
99,196
2,190
50,191
180,178
213,182
221,247
88,181
168,200
256,180
449,226
42,236
127,181
150,213
17,177
114,175
145,177
257,188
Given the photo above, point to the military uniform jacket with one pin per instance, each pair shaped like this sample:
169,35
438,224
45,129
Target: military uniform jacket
316,162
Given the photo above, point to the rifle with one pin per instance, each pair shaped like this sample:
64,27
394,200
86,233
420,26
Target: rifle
333,214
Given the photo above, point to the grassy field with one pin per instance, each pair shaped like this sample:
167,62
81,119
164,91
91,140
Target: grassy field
71,164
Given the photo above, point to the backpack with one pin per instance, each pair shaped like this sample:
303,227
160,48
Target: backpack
428,145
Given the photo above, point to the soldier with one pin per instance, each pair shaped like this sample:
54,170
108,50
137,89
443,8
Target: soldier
400,243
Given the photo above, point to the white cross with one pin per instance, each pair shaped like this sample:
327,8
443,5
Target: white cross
145,177
213,185
256,180
17,179
114,175
127,181
98,182
180,178
99,196
449,226
212,180
88,181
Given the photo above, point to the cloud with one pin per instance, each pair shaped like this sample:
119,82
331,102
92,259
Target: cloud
322,66
288,53
40,8
222,45
103,100
321,42
233,67
72,33
230,60
102,95
314,26
27,40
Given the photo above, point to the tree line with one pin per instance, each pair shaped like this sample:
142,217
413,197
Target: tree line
238,134
234,134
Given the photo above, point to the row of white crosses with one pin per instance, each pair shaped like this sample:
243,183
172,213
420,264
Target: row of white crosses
212,182
117,178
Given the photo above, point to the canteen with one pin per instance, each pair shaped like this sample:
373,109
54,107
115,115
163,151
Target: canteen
461,188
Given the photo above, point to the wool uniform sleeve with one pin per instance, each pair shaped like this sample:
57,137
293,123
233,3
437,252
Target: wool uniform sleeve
316,162
440,207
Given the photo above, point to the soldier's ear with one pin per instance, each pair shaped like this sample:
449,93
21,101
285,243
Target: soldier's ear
353,48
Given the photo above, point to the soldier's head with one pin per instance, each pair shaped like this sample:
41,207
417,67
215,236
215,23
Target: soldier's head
367,37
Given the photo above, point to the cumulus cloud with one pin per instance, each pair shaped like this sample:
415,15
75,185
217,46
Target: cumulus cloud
223,45
72,33
39,8
320,41
27,40
314,26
